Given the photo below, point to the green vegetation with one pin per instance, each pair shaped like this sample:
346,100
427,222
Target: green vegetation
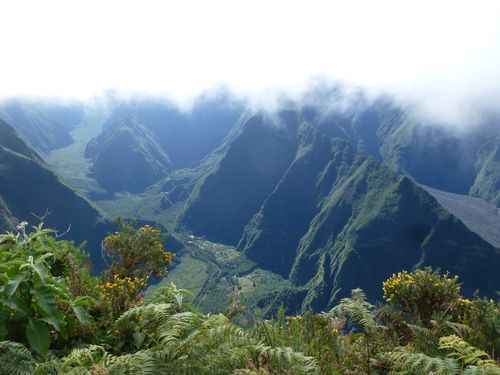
252,166
144,163
314,224
325,218
56,318
70,162
487,183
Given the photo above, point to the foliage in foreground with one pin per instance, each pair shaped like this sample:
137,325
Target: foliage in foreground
56,318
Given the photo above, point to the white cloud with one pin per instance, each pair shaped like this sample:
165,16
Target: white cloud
442,55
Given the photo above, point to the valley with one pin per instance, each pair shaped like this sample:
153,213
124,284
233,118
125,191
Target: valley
292,207
250,188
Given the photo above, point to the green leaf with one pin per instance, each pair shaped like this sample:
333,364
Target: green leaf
41,271
41,258
44,299
63,292
18,304
178,299
13,284
82,315
57,321
138,339
83,301
186,292
38,335
12,265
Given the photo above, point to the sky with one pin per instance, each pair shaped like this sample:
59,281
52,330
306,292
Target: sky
443,57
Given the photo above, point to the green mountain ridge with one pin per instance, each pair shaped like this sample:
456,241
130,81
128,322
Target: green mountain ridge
487,182
127,158
6,217
436,155
329,219
227,197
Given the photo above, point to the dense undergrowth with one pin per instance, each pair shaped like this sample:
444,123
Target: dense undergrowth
57,318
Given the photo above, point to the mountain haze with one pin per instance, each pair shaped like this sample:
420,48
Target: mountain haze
44,125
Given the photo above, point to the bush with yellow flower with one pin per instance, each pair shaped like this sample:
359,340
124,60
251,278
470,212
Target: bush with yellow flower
136,255
423,292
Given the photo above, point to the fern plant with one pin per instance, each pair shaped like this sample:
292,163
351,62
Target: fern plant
405,362
15,359
465,353
360,310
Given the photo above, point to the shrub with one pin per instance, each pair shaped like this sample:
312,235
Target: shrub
423,293
36,305
136,253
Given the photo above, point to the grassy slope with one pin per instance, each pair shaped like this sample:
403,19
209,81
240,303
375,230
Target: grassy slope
7,220
215,271
487,183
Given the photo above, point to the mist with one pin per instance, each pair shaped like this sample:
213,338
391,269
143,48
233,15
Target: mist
440,58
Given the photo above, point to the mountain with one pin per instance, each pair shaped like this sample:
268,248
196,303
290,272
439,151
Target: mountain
487,182
127,156
150,138
229,195
29,187
44,125
308,207
442,156
432,154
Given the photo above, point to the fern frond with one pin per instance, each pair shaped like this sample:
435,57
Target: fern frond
171,329
167,294
458,329
287,361
145,313
464,352
404,362
140,363
425,339
83,357
358,308
15,359
488,370
214,345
